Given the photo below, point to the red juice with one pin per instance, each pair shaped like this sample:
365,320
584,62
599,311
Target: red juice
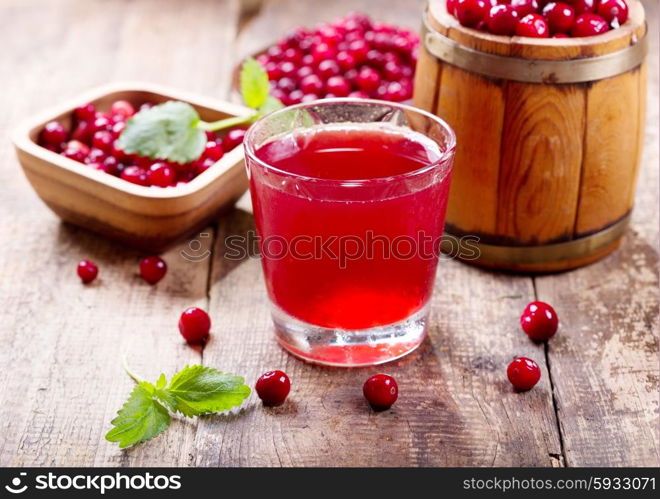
350,218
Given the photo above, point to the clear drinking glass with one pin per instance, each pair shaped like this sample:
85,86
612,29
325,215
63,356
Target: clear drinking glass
349,198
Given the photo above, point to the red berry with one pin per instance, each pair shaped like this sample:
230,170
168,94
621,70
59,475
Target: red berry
523,373
560,16
338,85
451,7
87,271
100,123
112,166
161,175
296,96
358,49
135,175
533,26
95,156
524,7
322,52
328,69
304,72
53,134
471,12
502,20
286,84
213,151
233,138
293,55
311,84
583,6
82,132
118,127
539,320
381,391
589,25
85,112
613,10
368,79
346,60
122,108
103,140
273,387
359,94
194,325
153,269
76,151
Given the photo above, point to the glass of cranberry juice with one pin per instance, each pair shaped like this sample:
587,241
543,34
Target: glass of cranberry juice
349,198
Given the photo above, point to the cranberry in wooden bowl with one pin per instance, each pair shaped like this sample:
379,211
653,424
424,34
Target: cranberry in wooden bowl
547,100
86,182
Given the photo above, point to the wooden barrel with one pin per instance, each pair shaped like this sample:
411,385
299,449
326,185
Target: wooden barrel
549,135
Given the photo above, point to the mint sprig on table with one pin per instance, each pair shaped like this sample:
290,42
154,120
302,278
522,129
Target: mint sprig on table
174,131
194,391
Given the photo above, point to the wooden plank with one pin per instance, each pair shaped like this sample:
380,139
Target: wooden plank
607,350
455,406
63,379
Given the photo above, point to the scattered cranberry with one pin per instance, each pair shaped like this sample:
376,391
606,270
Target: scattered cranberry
523,373
502,20
589,25
613,10
539,320
194,325
381,391
533,26
87,271
153,269
273,387
53,134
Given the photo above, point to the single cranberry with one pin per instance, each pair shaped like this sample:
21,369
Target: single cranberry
560,16
583,6
87,271
122,108
288,69
311,84
533,26
275,53
287,84
308,60
112,167
53,134
523,373
338,85
233,138
118,127
274,71
296,96
451,7
213,151
100,123
525,7
152,269
304,72
273,387
471,12
539,320
358,49
85,112
194,325
76,151
613,11
309,98
393,71
95,155
502,20
103,140
368,79
375,58
589,25
328,68
135,175
346,60
161,175
200,166
381,391
395,92
82,132
322,52
293,55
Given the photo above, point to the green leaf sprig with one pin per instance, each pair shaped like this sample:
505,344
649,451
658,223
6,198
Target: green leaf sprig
194,391
174,131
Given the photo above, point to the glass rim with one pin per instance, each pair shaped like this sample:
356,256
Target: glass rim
444,155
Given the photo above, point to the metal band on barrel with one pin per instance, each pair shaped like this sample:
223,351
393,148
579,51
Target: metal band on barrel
532,70
544,254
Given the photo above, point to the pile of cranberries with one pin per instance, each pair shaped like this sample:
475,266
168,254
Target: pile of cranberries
92,140
350,57
540,18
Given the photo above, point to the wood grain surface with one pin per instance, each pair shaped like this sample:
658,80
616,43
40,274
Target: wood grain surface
596,404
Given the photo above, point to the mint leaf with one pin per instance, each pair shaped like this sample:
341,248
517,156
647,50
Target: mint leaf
141,418
271,104
254,84
168,131
197,390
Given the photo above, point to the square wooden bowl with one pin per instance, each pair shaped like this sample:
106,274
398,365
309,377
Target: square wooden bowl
149,218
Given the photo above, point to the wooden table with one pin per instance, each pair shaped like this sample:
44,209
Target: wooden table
596,404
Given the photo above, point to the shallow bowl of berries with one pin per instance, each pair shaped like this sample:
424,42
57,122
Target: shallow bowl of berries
146,203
